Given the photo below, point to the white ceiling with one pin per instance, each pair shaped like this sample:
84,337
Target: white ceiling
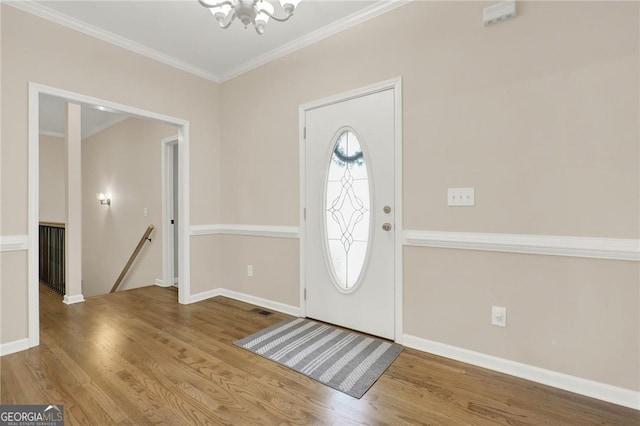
184,34
53,118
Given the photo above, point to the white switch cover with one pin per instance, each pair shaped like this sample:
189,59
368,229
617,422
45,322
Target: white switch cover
145,212
499,12
250,270
458,197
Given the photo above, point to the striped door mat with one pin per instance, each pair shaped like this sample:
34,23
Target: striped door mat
343,360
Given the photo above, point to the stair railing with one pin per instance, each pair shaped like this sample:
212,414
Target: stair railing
51,255
135,253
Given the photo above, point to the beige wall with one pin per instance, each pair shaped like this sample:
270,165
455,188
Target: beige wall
125,161
12,273
53,175
573,315
40,51
275,276
539,114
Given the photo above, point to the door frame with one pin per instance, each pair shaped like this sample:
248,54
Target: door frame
395,85
184,261
168,257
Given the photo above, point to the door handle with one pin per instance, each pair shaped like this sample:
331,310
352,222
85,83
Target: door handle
386,226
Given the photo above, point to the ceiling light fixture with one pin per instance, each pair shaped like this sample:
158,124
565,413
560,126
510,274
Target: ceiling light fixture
256,12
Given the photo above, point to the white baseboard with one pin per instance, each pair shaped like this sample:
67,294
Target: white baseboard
242,297
160,283
590,388
70,300
13,347
205,295
264,303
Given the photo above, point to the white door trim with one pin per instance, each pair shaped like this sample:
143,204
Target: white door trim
396,85
35,90
168,273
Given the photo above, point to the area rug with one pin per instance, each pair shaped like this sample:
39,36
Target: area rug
343,360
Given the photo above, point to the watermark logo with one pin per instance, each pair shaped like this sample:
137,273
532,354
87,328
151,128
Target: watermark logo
31,415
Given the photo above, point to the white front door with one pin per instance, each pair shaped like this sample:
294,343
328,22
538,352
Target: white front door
349,242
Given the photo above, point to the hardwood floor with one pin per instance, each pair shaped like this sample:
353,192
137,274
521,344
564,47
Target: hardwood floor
138,357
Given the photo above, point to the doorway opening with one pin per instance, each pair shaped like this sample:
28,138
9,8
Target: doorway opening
170,212
182,148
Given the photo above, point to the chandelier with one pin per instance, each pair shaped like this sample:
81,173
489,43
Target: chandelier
256,12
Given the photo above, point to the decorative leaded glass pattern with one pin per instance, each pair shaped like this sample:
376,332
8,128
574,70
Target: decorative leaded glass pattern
347,214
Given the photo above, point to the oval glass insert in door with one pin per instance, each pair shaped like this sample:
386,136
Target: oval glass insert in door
347,221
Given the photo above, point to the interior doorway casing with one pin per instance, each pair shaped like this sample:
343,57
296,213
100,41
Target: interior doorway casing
396,86
184,261
168,241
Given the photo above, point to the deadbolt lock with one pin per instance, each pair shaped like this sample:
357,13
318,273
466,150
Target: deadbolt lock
387,209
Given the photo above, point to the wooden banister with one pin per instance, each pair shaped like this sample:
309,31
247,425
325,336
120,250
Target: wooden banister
144,238
53,224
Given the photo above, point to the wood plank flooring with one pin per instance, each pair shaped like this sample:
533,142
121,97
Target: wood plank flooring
138,357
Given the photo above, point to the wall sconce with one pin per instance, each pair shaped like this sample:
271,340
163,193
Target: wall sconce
105,199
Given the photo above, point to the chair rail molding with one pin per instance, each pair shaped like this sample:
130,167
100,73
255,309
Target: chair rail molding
598,248
14,243
247,230
550,245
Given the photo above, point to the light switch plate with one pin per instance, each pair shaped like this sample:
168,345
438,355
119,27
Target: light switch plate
499,12
461,197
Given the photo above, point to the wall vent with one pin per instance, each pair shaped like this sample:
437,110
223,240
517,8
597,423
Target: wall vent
261,312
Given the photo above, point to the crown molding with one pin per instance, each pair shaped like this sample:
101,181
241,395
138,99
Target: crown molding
49,14
377,9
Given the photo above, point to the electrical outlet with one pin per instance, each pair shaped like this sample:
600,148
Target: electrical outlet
499,316
250,270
